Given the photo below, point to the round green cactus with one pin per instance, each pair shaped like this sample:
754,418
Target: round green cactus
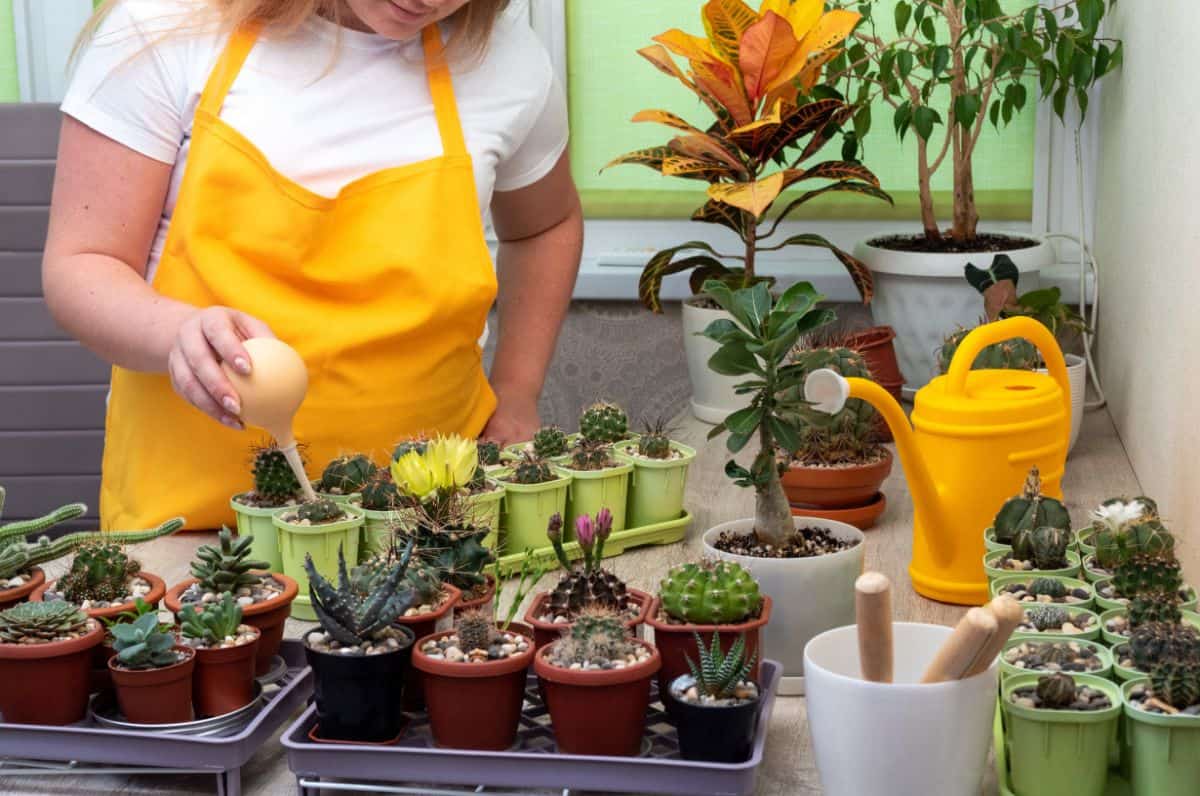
274,481
1153,642
489,453
1177,682
1124,529
1050,587
654,443
346,474
549,441
319,511
604,422
849,436
1045,546
709,593
1143,574
1056,690
1028,510
1015,354
532,469
380,493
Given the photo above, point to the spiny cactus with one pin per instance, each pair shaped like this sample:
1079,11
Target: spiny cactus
226,566
1154,642
549,441
655,442
352,617
100,573
589,585
597,635
1049,587
1045,546
1015,354
346,474
475,630
532,469
144,643
1124,529
404,447
489,453
604,422
274,482
22,528
1056,691
217,622
1028,510
455,555
319,511
1142,574
1154,607
718,673
590,455
380,493
710,593
17,555
1047,617
39,623
1177,682
847,437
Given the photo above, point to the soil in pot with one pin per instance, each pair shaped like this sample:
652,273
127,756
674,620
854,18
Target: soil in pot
675,642
1044,589
983,242
224,677
47,683
1056,655
18,588
359,695
156,696
149,587
836,486
421,621
548,627
715,730
804,543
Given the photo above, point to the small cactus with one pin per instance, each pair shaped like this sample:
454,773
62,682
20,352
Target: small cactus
1047,617
710,593
1177,682
346,475
597,635
1015,354
532,469
1154,642
99,573
380,493
226,566
604,422
549,441
1049,587
1056,691
591,585
654,442
489,453
274,482
475,630
41,622
353,616
718,674
1045,546
1123,529
589,455
403,448
217,622
319,511
1029,510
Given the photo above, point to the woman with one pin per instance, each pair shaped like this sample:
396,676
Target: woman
315,170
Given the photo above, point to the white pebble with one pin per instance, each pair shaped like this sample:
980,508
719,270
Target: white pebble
454,654
245,601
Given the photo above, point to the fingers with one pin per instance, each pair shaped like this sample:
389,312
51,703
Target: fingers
221,335
250,326
205,367
187,385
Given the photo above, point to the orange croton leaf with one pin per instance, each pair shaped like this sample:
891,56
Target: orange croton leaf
705,147
719,80
667,118
652,157
750,137
685,45
831,170
658,55
764,51
800,14
725,21
831,29
695,168
753,197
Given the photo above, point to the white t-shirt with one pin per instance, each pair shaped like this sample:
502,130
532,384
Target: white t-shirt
326,105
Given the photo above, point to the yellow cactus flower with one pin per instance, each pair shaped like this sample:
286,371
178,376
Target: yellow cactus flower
453,461
412,475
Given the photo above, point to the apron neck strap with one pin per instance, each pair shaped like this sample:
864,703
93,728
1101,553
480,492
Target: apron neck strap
441,86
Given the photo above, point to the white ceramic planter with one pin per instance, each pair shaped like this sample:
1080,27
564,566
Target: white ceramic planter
923,739
1077,377
713,398
924,297
809,595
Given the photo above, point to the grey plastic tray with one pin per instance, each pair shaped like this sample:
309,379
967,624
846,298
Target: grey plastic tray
39,750
532,763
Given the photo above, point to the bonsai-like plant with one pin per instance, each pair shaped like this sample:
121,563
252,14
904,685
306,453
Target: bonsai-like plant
1029,510
755,342
144,644
756,72
720,675
959,64
41,623
349,616
591,585
212,626
710,593
227,566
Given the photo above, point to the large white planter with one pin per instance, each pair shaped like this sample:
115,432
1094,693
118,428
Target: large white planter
713,398
900,737
1077,377
809,595
924,297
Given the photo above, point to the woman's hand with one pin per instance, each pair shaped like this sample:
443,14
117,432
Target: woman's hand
206,339
515,420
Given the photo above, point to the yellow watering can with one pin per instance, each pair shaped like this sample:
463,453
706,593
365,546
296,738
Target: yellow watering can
974,436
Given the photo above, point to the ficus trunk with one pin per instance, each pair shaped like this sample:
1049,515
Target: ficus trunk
966,217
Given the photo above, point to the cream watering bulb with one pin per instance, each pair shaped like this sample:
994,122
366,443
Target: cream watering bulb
271,395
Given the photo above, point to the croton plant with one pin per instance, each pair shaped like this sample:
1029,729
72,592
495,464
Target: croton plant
758,73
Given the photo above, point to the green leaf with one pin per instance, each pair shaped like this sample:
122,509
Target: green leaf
725,331
1081,69
661,265
1029,18
941,59
903,15
732,359
1060,100
928,30
786,435
1051,23
905,60
721,293
924,119
754,304
800,297
902,118
966,108
1103,59
1047,77
744,421
735,470
994,113
735,442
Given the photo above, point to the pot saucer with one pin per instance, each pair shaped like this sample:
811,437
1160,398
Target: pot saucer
315,738
861,517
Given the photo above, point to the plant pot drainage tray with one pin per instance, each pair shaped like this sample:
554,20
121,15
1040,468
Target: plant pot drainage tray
106,744
533,762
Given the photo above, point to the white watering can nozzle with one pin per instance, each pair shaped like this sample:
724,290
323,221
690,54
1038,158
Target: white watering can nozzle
826,390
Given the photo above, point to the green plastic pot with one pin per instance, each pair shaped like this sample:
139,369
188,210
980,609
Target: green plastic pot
992,557
1114,639
1090,574
512,453
989,541
322,543
256,522
1072,610
1071,583
1083,541
1102,652
1056,752
483,510
377,531
656,486
1107,604
1124,674
592,490
527,509
1164,751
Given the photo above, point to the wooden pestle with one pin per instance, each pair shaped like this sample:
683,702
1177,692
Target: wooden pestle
1008,613
873,614
961,649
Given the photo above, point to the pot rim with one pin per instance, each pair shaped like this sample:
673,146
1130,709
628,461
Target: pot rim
290,590
471,671
687,455
1176,720
1052,716
455,594
753,703
255,511
208,652
948,264
597,678
409,636
561,482
818,477
189,653
530,618
746,524
489,594
866,338
158,590
619,469
353,521
764,615
37,576
57,649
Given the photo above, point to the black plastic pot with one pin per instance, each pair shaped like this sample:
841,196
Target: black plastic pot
714,733
360,697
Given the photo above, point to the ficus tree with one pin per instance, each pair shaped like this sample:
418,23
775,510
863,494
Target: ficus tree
955,66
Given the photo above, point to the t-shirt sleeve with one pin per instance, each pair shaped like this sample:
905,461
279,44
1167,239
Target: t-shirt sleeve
130,81
543,145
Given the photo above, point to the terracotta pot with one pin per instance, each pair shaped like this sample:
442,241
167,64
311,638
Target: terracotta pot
268,617
598,711
10,597
675,643
155,696
157,589
224,677
421,626
836,487
100,678
456,690
875,345
546,632
861,517
483,602
47,683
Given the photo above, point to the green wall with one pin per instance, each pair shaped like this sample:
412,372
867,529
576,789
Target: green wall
10,90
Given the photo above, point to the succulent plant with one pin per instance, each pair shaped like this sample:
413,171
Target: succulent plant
1028,510
350,616
718,673
100,572
1056,691
549,441
532,469
1123,529
1015,354
346,474
475,630
226,566
418,444
1154,642
851,435
1154,607
590,585
591,455
319,511
41,622
710,593
489,453
1047,617
597,635
1177,682
214,624
655,443
1045,546
380,493
144,644
274,482
604,422
1049,587
1145,573
456,556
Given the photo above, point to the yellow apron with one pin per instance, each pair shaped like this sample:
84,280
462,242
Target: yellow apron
383,289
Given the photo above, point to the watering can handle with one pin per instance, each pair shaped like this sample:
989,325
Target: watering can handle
999,331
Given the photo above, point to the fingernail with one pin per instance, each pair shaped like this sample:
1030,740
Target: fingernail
232,422
231,406
242,365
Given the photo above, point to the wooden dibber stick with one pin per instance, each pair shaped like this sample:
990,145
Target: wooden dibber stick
959,652
873,615
1008,613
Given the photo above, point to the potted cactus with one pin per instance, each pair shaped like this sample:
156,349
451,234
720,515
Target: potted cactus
1015,354
1162,723
344,477
275,486
45,656
1040,551
1048,655
1043,619
451,547
534,491
659,477
598,480
227,570
1154,586
715,705
711,599
489,454
1044,589
151,672
549,442
359,654
1025,512
225,656
596,683
316,529
604,423
1058,729
586,587
1152,643
19,573
1118,516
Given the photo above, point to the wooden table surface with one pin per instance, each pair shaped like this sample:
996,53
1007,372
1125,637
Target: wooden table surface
1097,469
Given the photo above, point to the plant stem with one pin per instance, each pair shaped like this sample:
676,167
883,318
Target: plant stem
772,515
751,250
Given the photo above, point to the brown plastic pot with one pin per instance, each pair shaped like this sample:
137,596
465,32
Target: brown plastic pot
425,625
10,597
155,696
100,677
862,517
836,487
224,677
597,711
157,589
547,632
876,347
454,691
675,642
47,683
268,617
482,602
